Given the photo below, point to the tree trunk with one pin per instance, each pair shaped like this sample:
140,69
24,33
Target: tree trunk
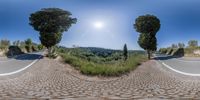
149,54
49,50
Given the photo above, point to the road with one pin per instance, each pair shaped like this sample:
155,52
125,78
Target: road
187,66
10,66
51,79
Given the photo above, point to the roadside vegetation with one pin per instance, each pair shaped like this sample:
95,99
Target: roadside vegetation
8,48
180,49
99,61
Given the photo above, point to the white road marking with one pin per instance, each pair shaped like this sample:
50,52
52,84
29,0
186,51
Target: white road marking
13,58
184,73
14,72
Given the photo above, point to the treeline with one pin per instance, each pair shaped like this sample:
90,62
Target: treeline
191,44
181,48
98,55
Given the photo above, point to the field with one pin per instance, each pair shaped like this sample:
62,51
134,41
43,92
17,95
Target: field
99,61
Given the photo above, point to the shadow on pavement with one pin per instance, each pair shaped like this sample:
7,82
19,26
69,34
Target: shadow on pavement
166,57
29,57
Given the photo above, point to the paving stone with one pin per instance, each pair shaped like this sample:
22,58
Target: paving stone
47,79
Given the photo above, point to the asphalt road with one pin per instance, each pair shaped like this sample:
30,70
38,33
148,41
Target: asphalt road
187,66
13,65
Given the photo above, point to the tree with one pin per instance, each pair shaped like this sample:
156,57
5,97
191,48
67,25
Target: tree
16,43
147,26
125,52
22,44
181,45
51,23
28,42
28,45
40,47
174,46
193,43
4,44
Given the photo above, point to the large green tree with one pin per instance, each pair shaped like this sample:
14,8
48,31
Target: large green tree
51,23
147,26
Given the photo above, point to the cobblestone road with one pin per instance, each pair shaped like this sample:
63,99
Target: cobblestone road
49,80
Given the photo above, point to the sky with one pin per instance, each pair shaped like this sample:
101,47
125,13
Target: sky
105,23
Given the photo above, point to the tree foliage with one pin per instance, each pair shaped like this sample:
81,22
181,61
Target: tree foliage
181,45
28,45
51,23
4,44
174,46
16,43
40,47
147,42
147,26
28,42
125,52
193,43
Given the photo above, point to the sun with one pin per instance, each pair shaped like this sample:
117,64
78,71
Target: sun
98,25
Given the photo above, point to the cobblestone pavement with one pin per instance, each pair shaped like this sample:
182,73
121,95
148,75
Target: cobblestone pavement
47,79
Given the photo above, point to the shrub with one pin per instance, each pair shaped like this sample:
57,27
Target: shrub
169,51
40,47
14,50
4,44
28,48
163,50
104,69
178,52
34,48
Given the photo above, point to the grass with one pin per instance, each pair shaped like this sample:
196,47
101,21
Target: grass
106,69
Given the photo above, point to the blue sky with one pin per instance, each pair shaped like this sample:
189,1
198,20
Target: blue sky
180,21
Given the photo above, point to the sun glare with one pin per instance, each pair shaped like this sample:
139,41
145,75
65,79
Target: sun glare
98,25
